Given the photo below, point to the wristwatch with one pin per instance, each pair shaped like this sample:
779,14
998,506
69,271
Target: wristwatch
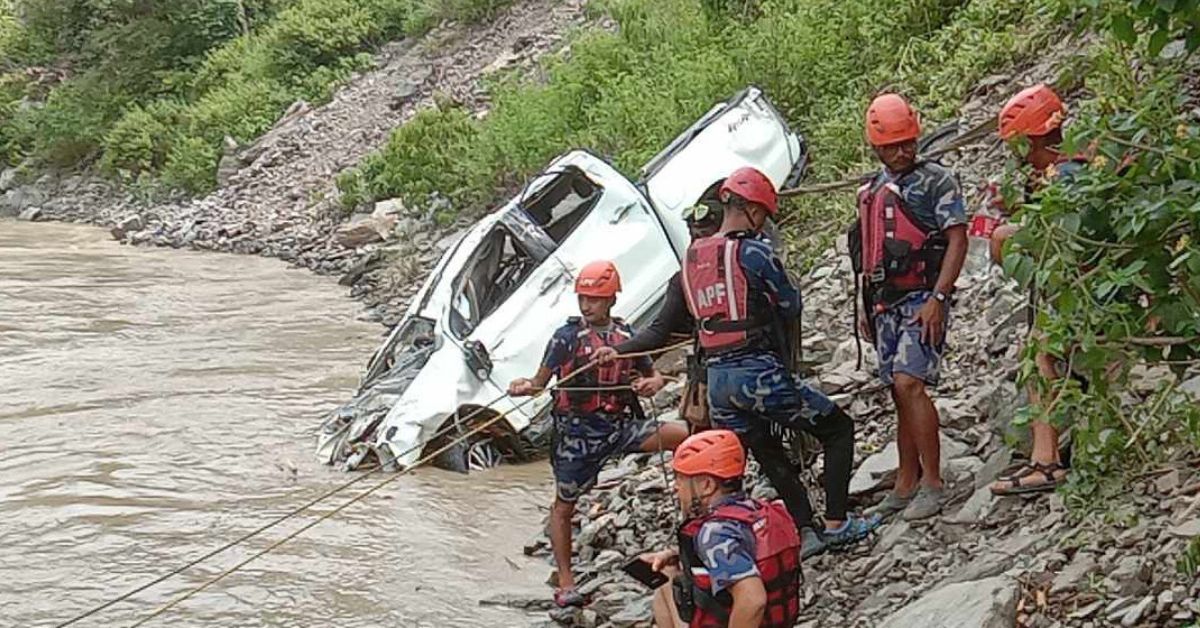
940,297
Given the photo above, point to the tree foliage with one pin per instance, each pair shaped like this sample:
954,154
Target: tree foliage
1114,255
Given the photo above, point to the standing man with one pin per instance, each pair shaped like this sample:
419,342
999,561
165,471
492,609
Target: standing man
1031,122
742,300
738,561
597,415
912,241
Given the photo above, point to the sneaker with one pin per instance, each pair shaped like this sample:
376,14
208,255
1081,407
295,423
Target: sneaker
927,503
812,543
567,597
853,530
893,503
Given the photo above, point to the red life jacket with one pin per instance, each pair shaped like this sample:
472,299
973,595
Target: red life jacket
716,290
776,555
897,251
616,373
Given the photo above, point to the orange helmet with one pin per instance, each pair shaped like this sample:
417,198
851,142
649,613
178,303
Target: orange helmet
752,185
891,120
1034,110
717,453
598,279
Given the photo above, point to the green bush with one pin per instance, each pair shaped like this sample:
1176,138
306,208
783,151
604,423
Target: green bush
140,141
1115,255
423,148
192,165
624,94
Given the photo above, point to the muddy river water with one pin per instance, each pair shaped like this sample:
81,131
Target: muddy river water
155,404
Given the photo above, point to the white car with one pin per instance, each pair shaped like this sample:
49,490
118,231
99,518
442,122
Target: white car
486,312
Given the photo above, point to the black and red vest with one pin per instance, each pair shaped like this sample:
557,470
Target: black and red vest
897,251
776,555
580,396
717,294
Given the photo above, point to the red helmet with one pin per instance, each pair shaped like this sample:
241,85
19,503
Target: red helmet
891,120
717,453
598,279
1034,110
752,185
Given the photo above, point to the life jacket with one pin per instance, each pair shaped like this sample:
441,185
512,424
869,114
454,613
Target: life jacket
776,555
618,372
717,294
896,250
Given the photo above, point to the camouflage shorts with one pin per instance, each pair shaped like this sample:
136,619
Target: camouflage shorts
584,443
748,387
898,341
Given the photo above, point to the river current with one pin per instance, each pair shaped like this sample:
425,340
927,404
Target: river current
155,404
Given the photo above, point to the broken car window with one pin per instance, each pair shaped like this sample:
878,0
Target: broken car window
498,267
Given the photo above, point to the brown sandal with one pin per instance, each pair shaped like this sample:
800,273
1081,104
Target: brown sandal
1050,474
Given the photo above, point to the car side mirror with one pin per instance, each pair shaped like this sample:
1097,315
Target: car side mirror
477,358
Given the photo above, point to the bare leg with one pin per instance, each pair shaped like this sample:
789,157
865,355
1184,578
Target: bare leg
668,437
665,613
922,418
560,540
908,472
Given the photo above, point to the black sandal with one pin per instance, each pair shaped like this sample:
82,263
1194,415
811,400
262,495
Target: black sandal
1048,472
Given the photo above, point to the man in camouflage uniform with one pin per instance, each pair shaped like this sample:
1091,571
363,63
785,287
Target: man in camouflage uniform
738,562
596,415
750,383
909,308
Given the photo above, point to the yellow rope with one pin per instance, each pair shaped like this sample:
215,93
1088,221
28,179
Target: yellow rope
481,427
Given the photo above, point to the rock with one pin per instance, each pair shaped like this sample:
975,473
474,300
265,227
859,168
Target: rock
638,610
1168,482
373,228
1130,577
991,469
870,474
1073,574
8,178
18,199
1191,388
524,602
128,225
1187,529
31,214
893,534
1131,617
977,508
990,603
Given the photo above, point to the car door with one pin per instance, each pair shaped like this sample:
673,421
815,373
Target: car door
621,227
513,330
745,130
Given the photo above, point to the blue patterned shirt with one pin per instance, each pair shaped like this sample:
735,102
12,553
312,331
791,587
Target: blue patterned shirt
727,548
932,195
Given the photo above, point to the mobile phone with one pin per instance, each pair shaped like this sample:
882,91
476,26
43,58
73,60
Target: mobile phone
641,571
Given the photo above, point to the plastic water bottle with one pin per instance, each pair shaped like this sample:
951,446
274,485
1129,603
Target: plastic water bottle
979,233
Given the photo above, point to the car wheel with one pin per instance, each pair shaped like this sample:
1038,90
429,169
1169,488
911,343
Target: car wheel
482,455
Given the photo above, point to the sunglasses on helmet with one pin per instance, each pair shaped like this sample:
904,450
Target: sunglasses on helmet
698,213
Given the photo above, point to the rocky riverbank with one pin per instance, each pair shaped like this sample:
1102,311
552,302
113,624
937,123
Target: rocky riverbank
985,561
277,196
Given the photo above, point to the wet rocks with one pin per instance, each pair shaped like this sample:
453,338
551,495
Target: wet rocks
31,214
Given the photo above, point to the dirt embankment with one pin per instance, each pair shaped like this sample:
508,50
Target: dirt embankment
277,196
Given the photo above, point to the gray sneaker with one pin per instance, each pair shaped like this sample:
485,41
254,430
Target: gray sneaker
893,503
927,503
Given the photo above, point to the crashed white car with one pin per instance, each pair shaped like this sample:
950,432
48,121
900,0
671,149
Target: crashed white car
486,312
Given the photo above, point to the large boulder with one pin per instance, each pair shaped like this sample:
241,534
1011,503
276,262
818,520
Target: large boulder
990,603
